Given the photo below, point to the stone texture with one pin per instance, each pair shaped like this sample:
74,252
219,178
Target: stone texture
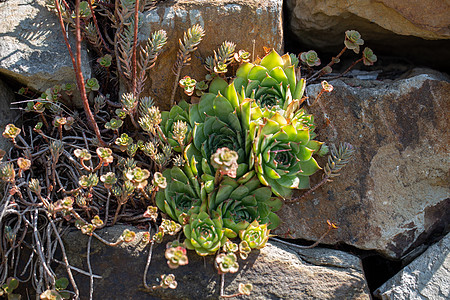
237,21
32,48
276,272
427,277
7,115
414,29
424,19
395,192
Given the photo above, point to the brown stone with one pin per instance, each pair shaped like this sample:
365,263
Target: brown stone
424,19
395,192
238,21
414,29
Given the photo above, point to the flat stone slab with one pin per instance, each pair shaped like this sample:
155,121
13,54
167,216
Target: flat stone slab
32,47
276,271
426,278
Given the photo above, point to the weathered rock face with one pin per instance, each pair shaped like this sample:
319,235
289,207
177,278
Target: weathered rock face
237,21
7,115
427,277
32,48
276,272
396,190
424,19
393,28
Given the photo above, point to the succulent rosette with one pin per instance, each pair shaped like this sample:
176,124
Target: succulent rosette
227,263
181,197
240,202
170,118
204,235
176,255
256,235
353,40
310,58
369,58
282,150
272,82
225,161
220,120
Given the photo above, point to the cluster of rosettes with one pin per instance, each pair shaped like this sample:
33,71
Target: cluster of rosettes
247,145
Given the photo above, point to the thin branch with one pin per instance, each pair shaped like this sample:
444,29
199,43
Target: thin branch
88,261
80,79
149,259
332,62
330,227
66,261
97,28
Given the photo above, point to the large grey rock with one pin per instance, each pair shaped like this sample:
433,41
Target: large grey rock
396,191
7,115
427,277
276,272
32,48
238,21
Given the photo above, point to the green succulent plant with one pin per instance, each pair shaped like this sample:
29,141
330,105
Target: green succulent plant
105,61
230,247
108,179
219,120
176,255
7,172
272,82
92,85
245,289
256,235
221,59
182,195
225,162
369,58
168,281
169,227
88,181
227,263
8,287
152,213
310,58
240,202
244,249
159,180
128,236
353,40
171,128
188,85
114,124
242,56
11,131
123,141
84,11
138,177
282,151
82,154
204,235
105,155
